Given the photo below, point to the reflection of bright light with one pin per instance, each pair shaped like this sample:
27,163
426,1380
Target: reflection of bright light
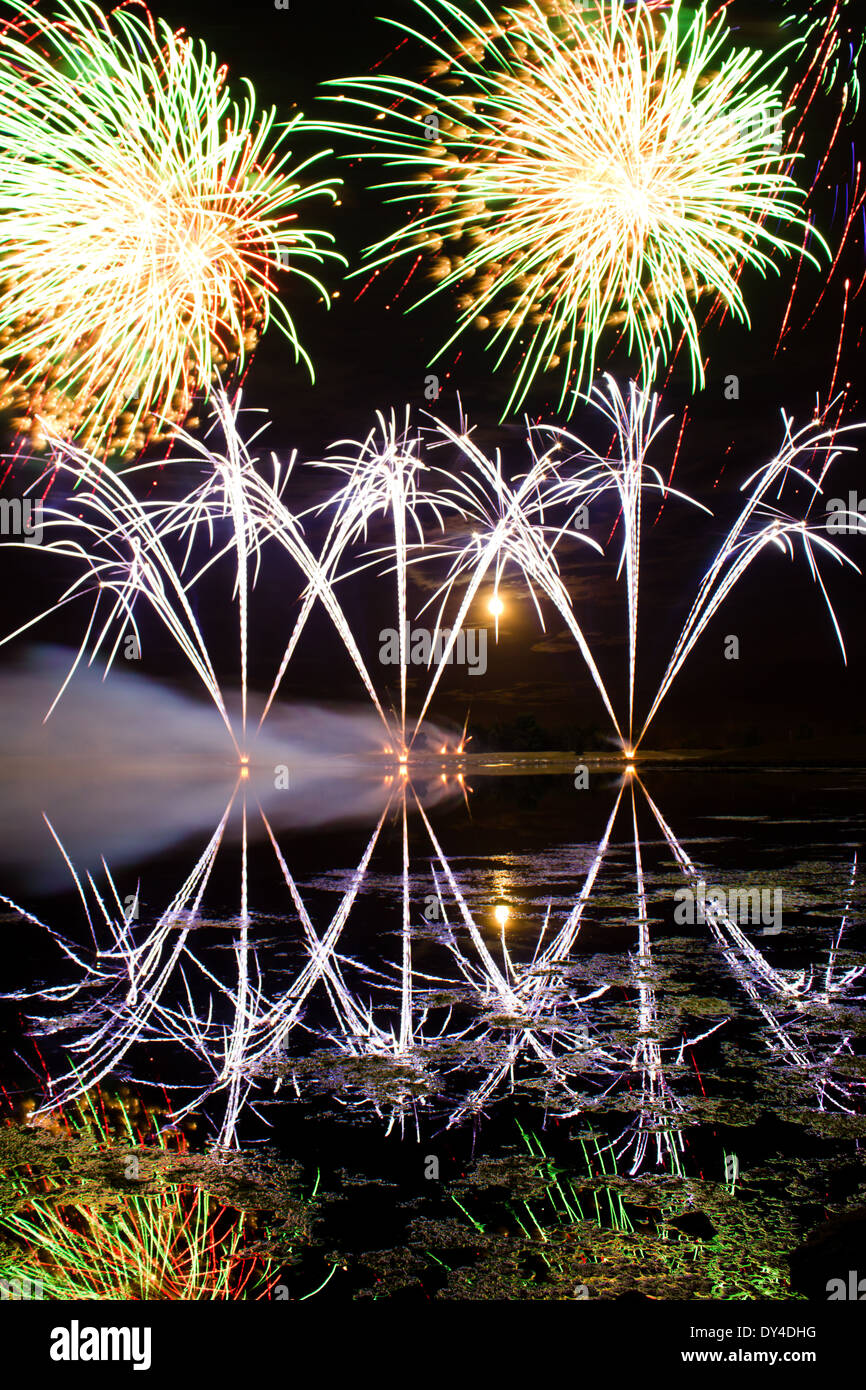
501,913
496,606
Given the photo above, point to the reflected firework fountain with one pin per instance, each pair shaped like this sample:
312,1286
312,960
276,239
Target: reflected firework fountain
530,1008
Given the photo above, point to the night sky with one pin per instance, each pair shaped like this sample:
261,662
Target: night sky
790,685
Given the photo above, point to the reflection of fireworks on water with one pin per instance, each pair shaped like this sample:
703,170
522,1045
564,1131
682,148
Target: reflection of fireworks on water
408,1038
152,1240
579,168
144,216
532,1013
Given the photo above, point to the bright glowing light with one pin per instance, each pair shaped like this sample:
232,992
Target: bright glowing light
496,606
590,165
501,913
144,216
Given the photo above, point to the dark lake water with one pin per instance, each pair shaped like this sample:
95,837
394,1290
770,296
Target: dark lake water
505,1037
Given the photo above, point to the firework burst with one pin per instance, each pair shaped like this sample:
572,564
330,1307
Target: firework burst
144,216
578,169
832,43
